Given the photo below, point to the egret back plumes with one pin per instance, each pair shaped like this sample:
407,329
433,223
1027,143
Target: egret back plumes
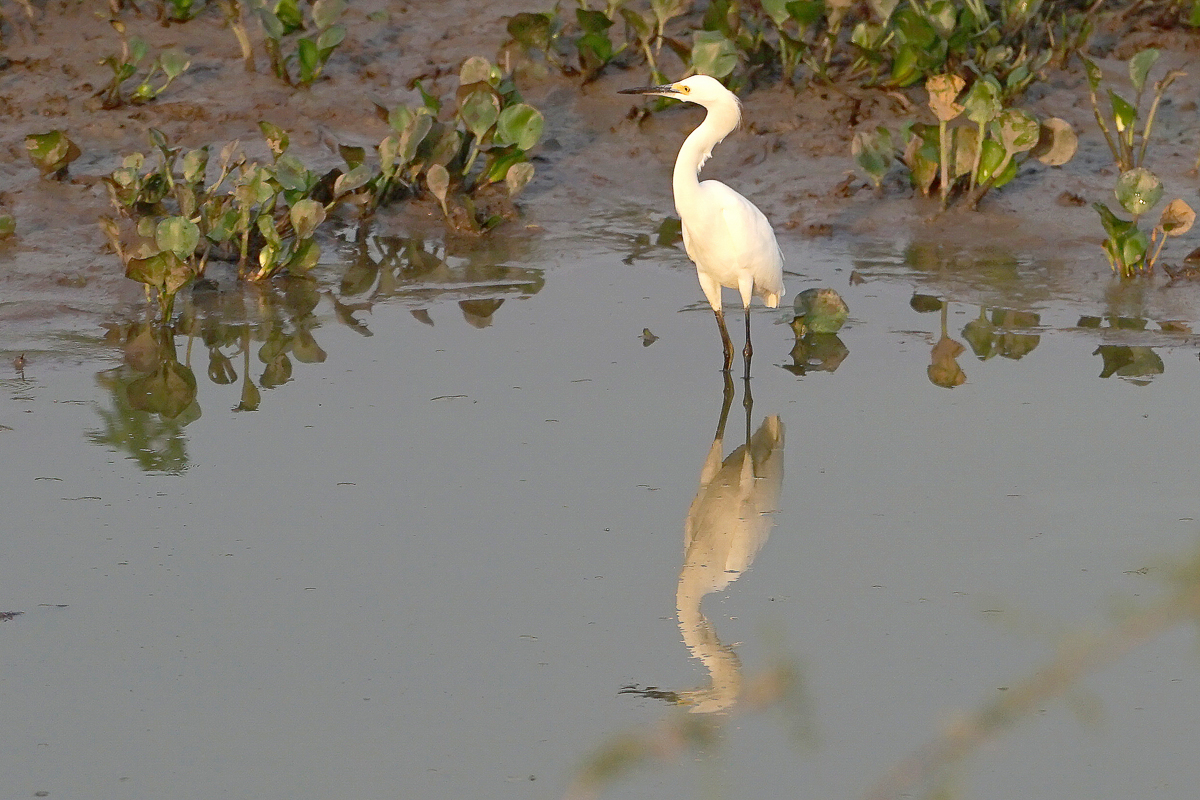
728,238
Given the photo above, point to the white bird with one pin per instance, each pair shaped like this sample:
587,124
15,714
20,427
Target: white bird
728,238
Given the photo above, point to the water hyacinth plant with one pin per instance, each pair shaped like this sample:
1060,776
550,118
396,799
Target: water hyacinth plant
891,43
265,216
171,63
298,38
463,161
972,158
1129,249
172,218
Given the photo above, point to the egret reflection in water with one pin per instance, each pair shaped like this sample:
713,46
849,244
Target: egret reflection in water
727,525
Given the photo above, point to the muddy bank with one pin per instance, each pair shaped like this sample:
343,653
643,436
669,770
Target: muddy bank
791,157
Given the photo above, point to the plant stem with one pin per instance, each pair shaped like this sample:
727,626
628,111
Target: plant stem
944,158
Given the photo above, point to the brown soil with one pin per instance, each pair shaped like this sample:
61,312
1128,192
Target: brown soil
792,156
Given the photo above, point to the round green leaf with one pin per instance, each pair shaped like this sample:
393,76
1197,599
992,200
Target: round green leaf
354,179
327,12
174,62
713,54
1017,130
179,235
520,124
438,180
479,110
983,100
475,69
518,177
1138,190
306,215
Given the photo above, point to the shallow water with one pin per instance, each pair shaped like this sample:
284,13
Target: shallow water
453,532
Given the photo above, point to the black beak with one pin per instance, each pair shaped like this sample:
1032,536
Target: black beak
666,90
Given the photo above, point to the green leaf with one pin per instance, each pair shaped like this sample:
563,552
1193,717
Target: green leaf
292,175
305,257
195,162
164,271
823,310
809,12
532,30
520,124
8,225
1139,67
352,180
310,62
277,137
388,149
289,15
1114,226
272,26
1017,130
1124,112
329,39
518,177
641,28
475,69
137,49
1138,190
942,16
595,51
270,234
437,178
873,153
411,137
179,235
593,21
173,62
777,11
1094,74
305,216
479,110
327,12
983,100
51,152
965,142
353,156
713,54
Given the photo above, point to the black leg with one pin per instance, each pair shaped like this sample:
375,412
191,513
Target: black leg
726,344
747,351
726,402
747,402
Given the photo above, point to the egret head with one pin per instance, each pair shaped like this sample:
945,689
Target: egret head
700,89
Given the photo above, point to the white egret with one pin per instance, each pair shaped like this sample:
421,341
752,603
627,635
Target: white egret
728,238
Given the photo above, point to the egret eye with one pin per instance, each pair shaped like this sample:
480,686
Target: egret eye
685,89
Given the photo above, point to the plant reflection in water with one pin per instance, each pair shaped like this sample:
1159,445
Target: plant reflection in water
419,273
153,394
152,398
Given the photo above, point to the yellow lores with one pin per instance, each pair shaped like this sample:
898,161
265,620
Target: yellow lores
725,234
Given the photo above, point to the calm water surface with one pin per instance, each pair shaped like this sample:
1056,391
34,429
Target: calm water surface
463,505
